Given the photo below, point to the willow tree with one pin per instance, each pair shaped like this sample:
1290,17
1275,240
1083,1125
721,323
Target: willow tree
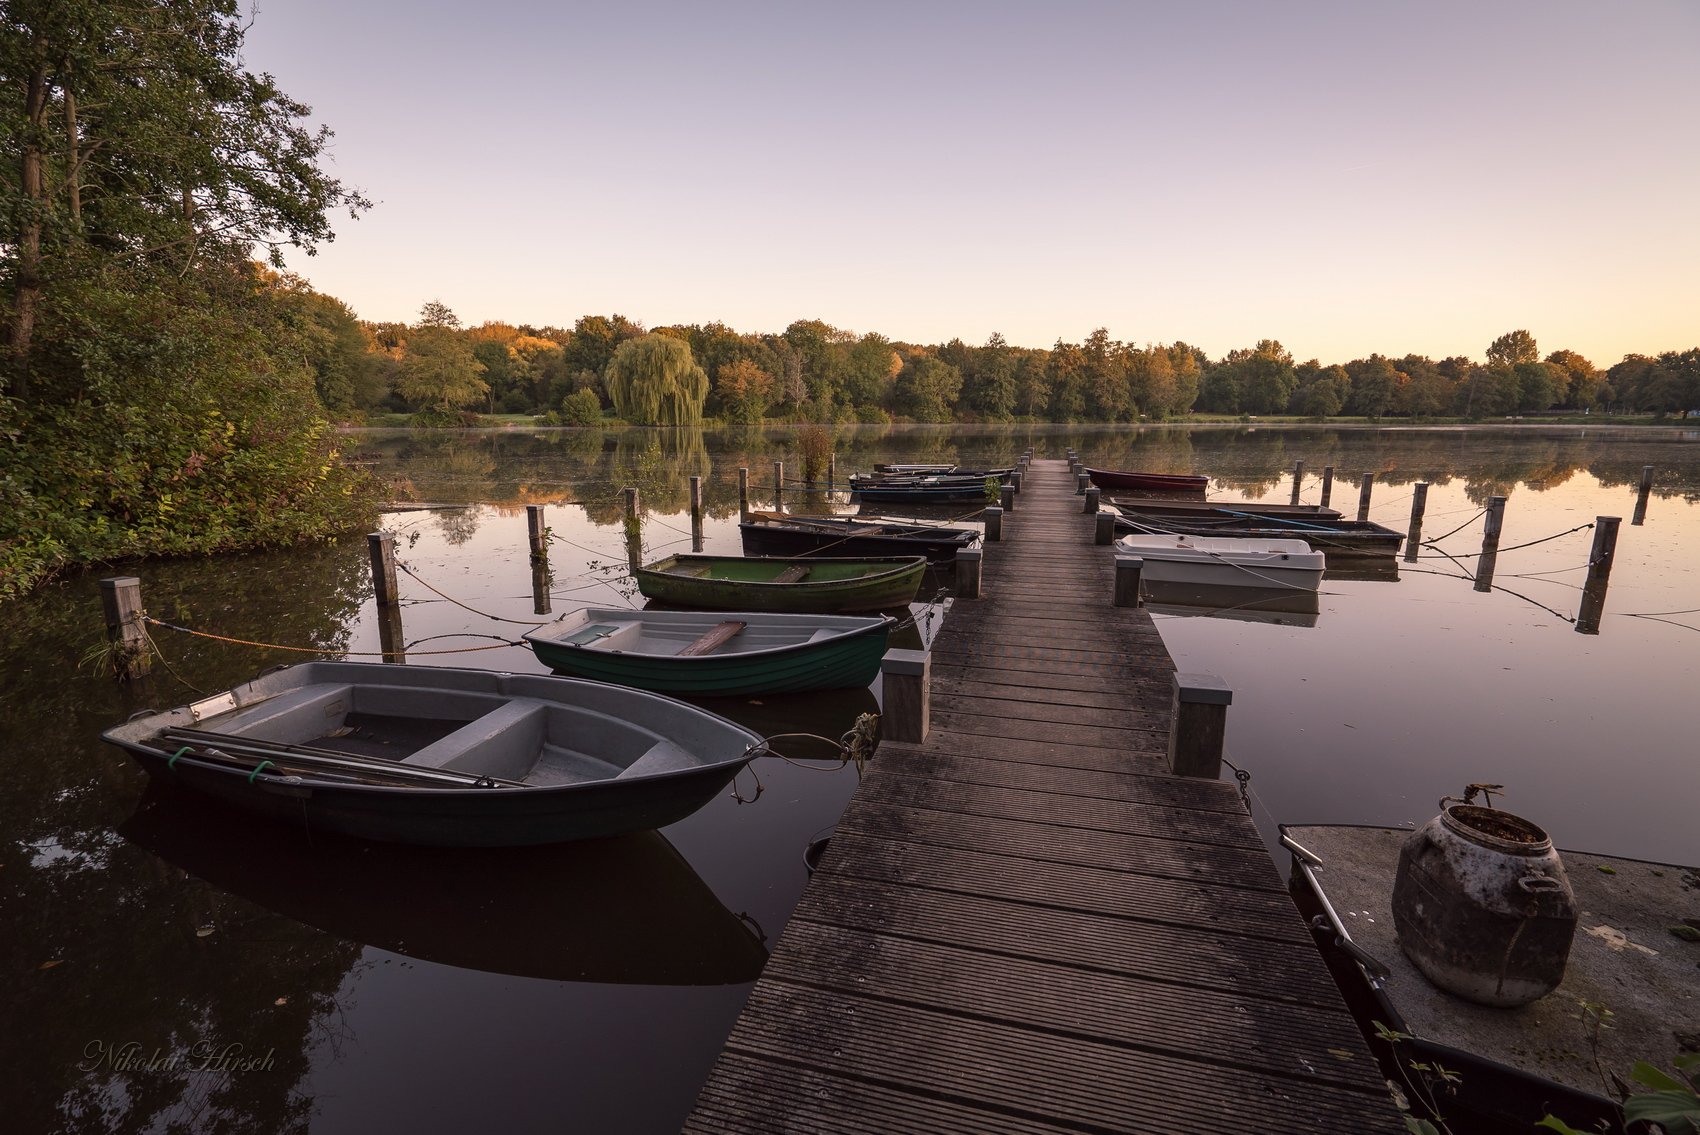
654,381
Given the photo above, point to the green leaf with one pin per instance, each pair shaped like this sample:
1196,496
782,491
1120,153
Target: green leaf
1553,1123
1656,1078
1667,1109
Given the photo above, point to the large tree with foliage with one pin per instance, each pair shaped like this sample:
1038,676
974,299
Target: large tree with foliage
654,381
158,390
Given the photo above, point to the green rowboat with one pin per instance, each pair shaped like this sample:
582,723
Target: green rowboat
713,654
813,585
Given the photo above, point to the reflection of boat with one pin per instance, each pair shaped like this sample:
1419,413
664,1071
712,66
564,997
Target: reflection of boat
1282,606
784,534
708,653
1179,484
768,583
1220,510
626,910
1513,1066
439,756
1339,538
1215,561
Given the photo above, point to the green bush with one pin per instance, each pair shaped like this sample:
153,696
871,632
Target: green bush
581,408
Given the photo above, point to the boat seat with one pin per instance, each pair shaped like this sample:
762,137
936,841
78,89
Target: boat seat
663,756
712,639
793,574
292,717
823,633
503,743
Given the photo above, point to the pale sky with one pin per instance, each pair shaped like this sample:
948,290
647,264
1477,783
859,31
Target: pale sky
1344,177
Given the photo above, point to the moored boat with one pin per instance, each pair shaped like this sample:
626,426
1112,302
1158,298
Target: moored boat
1219,509
1340,539
713,653
923,490
1122,480
821,584
788,534
440,756
1210,561
1509,1067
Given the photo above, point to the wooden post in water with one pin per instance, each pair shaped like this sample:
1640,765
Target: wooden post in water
906,681
743,492
634,529
1490,544
121,602
831,471
1419,505
779,486
993,516
541,580
1600,558
696,514
1641,495
537,534
633,504
1364,489
1298,479
1128,570
1201,725
1327,484
1105,530
380,546
968,562
1006,498
392,640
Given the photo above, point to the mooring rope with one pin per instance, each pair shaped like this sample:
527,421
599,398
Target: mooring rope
317,649
463,606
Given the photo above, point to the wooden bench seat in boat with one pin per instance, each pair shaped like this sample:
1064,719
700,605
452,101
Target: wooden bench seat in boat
711,639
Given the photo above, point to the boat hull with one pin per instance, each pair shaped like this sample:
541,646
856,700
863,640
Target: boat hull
1119,480
850,538
1179,561
844,661
551,811
834,584
1340,539
1220,510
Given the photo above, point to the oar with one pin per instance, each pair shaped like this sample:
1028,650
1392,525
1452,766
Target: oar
330,758
296,767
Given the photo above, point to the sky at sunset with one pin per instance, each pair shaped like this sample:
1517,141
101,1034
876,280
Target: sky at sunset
1344,177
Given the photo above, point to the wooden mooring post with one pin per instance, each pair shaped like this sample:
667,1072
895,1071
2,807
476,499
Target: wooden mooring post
743,492
1298,479
905,681
1128,570
1641,495
542,579
968,564
1365,487
1006,499
537,532
1600,558
1201,725
1419,505
1104,530
779,486
993,516
831,471
696,514
1015,482
1081,481
1490,543
380,546
121,602
1327,484
634,529
1091,504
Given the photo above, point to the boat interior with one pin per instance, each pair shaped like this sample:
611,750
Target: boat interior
529,740
651,637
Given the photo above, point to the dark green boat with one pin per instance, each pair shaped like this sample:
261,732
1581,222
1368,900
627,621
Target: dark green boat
815,585
713,654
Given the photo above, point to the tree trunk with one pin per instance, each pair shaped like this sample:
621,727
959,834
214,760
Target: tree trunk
73,158
26,296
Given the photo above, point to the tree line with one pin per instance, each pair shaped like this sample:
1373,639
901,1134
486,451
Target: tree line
607,365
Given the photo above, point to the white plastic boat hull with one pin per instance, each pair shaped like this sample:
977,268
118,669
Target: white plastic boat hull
1208,561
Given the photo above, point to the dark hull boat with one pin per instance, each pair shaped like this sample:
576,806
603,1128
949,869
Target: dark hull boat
1221,510
439,756
818,584
1339,539
711,654
925,490
1177,484
784,534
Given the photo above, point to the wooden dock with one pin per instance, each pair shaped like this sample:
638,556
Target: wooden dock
1025,924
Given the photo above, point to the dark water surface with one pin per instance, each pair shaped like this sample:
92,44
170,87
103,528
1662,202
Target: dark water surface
588,987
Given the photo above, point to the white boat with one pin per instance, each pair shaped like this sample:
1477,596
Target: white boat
1225,561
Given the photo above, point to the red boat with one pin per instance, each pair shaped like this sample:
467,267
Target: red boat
1173,483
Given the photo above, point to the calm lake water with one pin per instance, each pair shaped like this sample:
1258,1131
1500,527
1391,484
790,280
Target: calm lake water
168,967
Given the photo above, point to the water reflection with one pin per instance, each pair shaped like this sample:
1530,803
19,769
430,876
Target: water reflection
626,911
1278,606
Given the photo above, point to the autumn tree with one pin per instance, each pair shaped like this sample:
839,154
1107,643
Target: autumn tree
440,375
744,390
654,381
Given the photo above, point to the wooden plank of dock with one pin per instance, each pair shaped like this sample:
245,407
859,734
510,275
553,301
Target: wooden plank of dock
1025,924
